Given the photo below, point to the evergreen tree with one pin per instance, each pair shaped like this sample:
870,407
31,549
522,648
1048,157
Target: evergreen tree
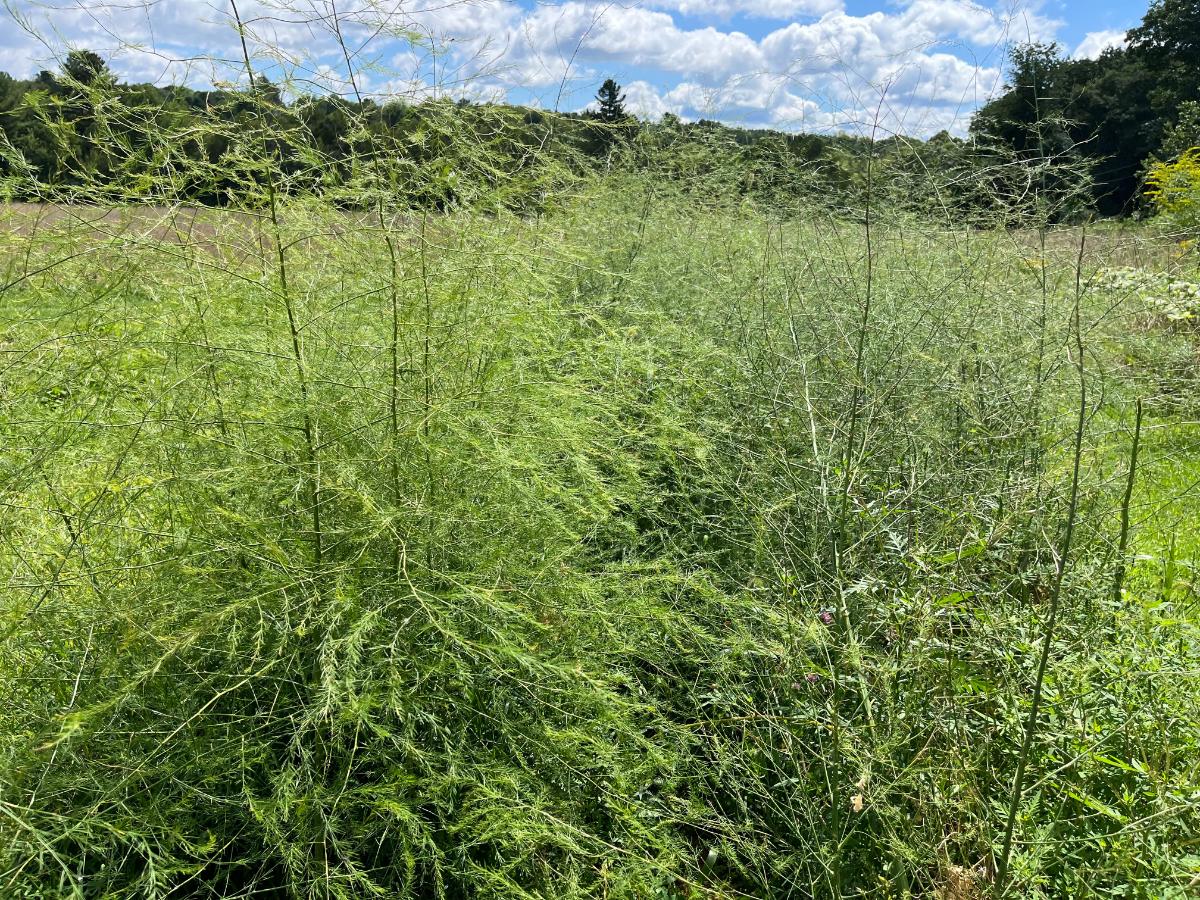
612,123
612,103
85,67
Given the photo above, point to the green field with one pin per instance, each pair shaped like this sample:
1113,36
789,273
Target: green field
642,547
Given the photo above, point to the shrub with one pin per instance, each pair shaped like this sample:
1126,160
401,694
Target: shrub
1174,189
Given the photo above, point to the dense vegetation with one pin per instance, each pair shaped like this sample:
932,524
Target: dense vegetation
507,517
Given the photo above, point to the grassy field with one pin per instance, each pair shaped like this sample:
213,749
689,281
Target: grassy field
643,548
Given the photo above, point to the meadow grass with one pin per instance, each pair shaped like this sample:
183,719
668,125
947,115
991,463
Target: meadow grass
645,547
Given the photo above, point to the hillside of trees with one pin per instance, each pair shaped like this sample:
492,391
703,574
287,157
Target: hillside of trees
81,131
1085,131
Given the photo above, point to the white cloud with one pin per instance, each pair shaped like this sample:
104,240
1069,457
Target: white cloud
582,33
1096,42
931,20
942,78
859,44
643,100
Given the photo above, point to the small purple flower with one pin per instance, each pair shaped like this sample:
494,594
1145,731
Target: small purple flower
826,617
812,677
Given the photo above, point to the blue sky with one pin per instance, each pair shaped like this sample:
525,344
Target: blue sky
895,66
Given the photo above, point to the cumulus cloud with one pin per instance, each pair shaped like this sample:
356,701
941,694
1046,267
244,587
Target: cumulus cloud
644,101
582,33
747,98
1096,42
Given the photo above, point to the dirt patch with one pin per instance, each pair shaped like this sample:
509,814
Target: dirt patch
231,235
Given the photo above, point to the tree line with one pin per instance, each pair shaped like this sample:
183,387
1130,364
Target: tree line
1074,135
80,133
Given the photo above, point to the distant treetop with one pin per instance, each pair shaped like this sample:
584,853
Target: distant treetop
612,103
